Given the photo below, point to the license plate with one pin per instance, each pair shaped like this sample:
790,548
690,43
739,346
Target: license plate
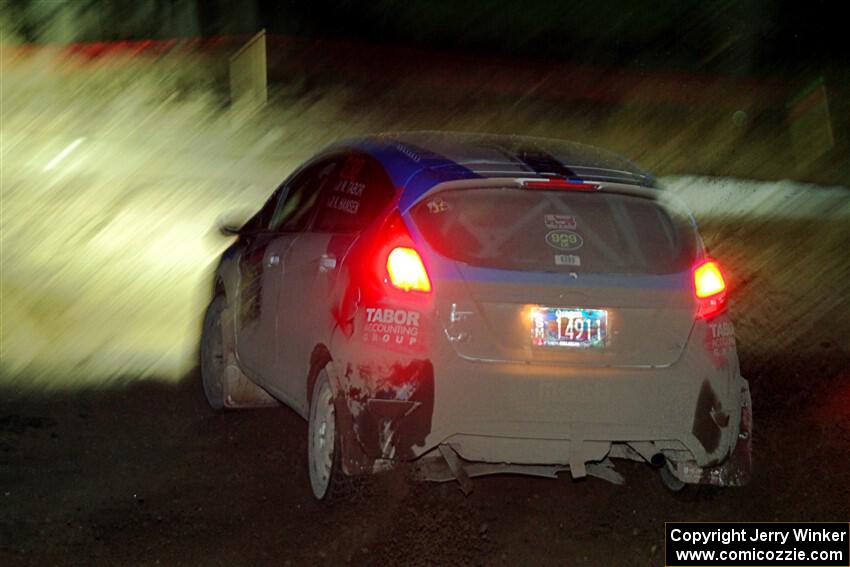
569,327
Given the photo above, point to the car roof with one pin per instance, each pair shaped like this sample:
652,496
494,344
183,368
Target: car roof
417,161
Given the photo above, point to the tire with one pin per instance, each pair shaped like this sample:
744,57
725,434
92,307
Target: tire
213,355
327,479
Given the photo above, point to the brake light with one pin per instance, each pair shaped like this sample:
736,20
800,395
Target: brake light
710,289
406,270
559,183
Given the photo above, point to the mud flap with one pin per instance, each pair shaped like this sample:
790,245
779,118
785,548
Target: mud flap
239,391
354,459
384,412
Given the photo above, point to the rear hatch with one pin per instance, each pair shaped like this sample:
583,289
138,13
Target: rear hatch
589,278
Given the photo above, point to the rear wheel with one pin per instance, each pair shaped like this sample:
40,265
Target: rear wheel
323,454
213,355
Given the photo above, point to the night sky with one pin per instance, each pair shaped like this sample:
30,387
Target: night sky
754,38
746,37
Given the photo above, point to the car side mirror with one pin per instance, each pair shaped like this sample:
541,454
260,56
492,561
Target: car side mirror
232,223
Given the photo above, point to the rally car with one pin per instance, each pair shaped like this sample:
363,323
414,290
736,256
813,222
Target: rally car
475,304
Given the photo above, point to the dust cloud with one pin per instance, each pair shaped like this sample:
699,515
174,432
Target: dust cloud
115,171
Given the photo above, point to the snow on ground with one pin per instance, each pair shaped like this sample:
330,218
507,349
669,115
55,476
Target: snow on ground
785,248
728,198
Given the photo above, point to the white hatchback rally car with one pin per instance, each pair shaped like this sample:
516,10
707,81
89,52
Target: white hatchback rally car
479,304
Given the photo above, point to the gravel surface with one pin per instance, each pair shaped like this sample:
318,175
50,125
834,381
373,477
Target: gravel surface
110,456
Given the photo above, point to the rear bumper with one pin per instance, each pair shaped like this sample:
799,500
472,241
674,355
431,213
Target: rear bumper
574,447
575,420
398,408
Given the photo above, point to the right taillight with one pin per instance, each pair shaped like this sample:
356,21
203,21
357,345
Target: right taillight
709,289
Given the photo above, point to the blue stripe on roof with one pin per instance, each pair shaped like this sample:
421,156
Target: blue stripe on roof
426,179
417,161
414,169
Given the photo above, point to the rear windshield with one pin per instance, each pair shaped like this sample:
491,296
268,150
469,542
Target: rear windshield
556,231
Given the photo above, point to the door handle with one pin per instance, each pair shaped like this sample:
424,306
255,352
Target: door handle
273,260
327,262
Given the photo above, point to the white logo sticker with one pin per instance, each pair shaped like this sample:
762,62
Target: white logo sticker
393,316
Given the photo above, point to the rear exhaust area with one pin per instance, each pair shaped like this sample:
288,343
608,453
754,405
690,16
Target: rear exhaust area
657,460
446,465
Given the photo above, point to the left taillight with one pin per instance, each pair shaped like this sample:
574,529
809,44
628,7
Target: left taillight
406,270
709,289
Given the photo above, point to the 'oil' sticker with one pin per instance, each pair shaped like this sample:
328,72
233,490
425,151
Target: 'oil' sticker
564,239
560,221
567,260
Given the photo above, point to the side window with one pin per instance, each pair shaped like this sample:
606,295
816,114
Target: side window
354,196
293,212
260,221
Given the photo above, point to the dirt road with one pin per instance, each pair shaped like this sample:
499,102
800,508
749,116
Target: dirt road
147,474
101,258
